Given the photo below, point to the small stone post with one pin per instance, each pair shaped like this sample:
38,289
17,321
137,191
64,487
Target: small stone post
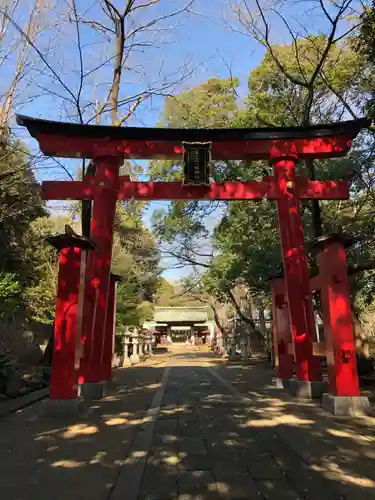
232,345
134,358
244,345
150,338
142,344
126,340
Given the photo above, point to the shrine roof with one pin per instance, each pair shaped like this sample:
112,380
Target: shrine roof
38,126
189,315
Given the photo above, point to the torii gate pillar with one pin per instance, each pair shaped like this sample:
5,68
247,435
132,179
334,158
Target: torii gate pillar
297,284
94,369
64,390
344,397
282,336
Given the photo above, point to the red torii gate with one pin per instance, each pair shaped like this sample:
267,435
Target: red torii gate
108,146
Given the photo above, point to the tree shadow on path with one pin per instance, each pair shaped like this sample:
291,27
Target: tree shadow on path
208,441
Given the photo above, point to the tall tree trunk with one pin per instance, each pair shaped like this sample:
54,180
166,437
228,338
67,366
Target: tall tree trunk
86,205
316,212
360,337
119,48
262,323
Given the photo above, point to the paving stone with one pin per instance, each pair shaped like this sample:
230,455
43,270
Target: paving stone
198,484
193,446
253,454
196,462
188,418
167,415
164,457
200,495
196,479
159,480
170,399
188,428
237,487
222,469
265,469
276,489
221,452
158,495
166,426
165,440
306,481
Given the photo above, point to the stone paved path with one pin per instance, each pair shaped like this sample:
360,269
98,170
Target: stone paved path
189,428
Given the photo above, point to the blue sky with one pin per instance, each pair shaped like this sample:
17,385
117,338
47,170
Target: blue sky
202,39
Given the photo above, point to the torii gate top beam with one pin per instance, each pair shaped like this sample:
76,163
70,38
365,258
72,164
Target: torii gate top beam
70,140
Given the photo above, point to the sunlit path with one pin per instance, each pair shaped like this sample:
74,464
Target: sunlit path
188,426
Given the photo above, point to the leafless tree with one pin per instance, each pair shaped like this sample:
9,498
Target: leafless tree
75,71
95,68
16,61
254,20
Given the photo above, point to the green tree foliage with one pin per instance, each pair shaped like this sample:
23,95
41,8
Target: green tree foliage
164,293
20,205
276,100
135,257
177,294
364,43
289,87
335,90
10,295
209,105
40,294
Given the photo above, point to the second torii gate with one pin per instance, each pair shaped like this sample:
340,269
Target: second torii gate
108,146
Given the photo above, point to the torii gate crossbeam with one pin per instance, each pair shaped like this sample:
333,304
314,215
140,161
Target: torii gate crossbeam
268,188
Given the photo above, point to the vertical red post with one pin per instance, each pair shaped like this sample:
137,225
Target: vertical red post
296,273
282,336
110,330
67,329
338,326
98,268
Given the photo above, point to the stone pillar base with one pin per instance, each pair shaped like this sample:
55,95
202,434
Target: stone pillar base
94,390
282,383
345,405
126,363
63,407
306,389
134,358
